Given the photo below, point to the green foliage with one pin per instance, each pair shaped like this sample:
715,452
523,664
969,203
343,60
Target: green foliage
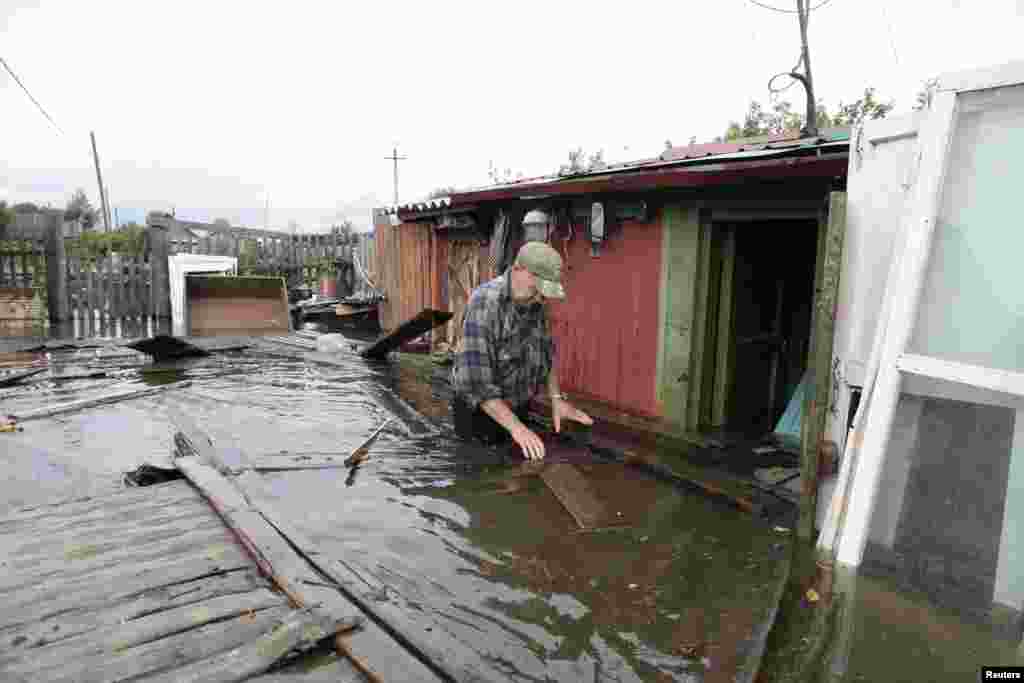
130,240
924,96
442,192
6,215
781,119
80,208
579,163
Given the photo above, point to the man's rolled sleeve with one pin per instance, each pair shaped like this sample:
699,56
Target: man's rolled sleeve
474,377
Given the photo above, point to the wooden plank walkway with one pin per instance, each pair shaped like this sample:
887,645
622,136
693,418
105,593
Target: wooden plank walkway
150,584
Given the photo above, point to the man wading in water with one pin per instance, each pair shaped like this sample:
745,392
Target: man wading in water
507,354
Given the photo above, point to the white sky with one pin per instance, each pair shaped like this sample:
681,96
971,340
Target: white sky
213,106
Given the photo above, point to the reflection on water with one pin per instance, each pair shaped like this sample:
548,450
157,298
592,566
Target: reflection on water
872,628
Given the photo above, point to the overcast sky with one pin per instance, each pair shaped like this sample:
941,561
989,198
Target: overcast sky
212,107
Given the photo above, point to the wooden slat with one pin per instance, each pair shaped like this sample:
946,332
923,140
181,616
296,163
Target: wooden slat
92,294
80,558
170,652
58,596
576,495
304,630
75,406
114,278
118,637
100,509
128,529
78,619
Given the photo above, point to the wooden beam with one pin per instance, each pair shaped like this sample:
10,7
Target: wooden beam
816,405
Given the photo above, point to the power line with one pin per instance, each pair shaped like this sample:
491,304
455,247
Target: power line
34,100
789,11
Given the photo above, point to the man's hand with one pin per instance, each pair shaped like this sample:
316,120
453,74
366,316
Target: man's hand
533,447
561,409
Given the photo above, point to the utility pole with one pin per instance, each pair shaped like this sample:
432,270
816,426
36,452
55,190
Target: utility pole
99,180
395,158
803,12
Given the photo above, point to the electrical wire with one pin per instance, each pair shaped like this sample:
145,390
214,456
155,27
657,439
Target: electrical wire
788,11
34,100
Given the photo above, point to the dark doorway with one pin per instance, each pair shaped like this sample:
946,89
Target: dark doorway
772,301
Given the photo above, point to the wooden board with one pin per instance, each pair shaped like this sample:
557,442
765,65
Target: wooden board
423,322
576,495
15,377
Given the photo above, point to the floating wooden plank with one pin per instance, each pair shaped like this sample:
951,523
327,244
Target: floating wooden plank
16,377
575,494
423,322
75,406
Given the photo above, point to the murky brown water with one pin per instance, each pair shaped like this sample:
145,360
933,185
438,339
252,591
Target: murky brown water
473,540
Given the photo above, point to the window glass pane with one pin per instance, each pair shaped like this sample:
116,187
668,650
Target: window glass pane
972,304
943,522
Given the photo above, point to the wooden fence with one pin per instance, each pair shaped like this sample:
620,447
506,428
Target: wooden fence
101,293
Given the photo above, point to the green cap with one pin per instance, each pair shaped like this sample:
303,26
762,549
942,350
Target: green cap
546,265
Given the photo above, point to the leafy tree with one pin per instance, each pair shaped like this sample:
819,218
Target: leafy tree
6,215
578,163
924,97
781,118
346,230
222,223
25,207
442,192
496,176
79,208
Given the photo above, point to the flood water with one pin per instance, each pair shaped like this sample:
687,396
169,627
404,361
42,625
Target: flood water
471,539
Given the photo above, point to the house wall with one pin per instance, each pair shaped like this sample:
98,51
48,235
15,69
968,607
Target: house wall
607,329
405,267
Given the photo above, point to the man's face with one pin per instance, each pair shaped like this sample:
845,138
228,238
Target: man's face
529,294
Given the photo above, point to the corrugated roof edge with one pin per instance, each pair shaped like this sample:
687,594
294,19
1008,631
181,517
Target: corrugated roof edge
748,149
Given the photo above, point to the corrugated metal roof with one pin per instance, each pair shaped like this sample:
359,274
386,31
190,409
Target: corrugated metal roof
427,205
751,148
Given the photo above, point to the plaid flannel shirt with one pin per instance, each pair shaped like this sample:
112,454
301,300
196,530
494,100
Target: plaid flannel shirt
506,349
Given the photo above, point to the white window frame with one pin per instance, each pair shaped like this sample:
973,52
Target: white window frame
900,316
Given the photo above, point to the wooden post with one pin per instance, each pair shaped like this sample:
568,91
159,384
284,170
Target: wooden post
57,271
159,269
115,286
816,404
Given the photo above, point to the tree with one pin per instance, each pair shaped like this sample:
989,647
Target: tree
345,230
924,97
594,162
222,223
496,177
25,207
442,192
781,118
6,215
79,208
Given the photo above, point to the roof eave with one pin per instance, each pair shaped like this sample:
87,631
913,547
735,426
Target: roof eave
669,176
